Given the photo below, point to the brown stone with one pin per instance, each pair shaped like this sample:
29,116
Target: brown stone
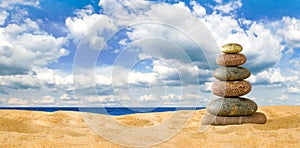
231,88
231,59
257,118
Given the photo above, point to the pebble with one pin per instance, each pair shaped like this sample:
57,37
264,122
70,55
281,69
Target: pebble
231,73
231,48
231,88
231,59
257,118
232,107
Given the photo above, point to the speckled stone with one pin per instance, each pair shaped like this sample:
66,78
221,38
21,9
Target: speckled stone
231,73
231,48
256,118
232,107
231,59
231,88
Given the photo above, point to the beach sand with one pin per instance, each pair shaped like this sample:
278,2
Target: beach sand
69,129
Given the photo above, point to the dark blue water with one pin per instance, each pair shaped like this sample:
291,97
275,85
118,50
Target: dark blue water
107,110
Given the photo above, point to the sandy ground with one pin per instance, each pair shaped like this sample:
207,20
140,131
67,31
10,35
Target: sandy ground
69,129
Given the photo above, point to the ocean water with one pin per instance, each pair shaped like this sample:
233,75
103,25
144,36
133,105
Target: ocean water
116,111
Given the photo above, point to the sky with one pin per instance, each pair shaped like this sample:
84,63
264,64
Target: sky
143,53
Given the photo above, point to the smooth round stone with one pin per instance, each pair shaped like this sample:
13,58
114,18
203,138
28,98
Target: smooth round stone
231,88
231,73
256,118
231,59
232,107
231,48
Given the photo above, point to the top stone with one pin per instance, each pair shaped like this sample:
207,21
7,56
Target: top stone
231,48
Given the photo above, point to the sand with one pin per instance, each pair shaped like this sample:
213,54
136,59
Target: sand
69,129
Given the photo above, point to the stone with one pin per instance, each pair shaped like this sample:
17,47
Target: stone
257,118
231,48
231,88
232,107
231,59
231,73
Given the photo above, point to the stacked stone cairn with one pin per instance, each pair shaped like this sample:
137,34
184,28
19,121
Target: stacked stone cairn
231,108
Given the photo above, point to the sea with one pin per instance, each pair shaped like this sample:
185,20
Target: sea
115,111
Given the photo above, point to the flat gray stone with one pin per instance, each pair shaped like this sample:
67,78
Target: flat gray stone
256,118
231,73
232,107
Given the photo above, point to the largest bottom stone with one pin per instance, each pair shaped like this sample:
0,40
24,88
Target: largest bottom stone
257,118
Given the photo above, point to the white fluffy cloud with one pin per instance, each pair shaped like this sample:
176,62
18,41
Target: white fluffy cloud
3,16
86,26
40,78
44,100
262,45
290,31
228,7
293,90
55,78
262,48
271,76
283,97
144,17
9,4
25,46
26,50
198,10
16,101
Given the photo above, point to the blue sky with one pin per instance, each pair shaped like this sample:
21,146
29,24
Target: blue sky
143,53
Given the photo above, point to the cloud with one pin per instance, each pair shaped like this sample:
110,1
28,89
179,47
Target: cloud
144,17
283,97
262,48
289,29
208,86
198,10
219,1
10,4
54,78
184,73
295,62
86,26
68,97
25,46
228,7
100,99
3,101
148,98
44,81
19,82
271,76
142,78
293,90
45,100
261,44
16,101
3,16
